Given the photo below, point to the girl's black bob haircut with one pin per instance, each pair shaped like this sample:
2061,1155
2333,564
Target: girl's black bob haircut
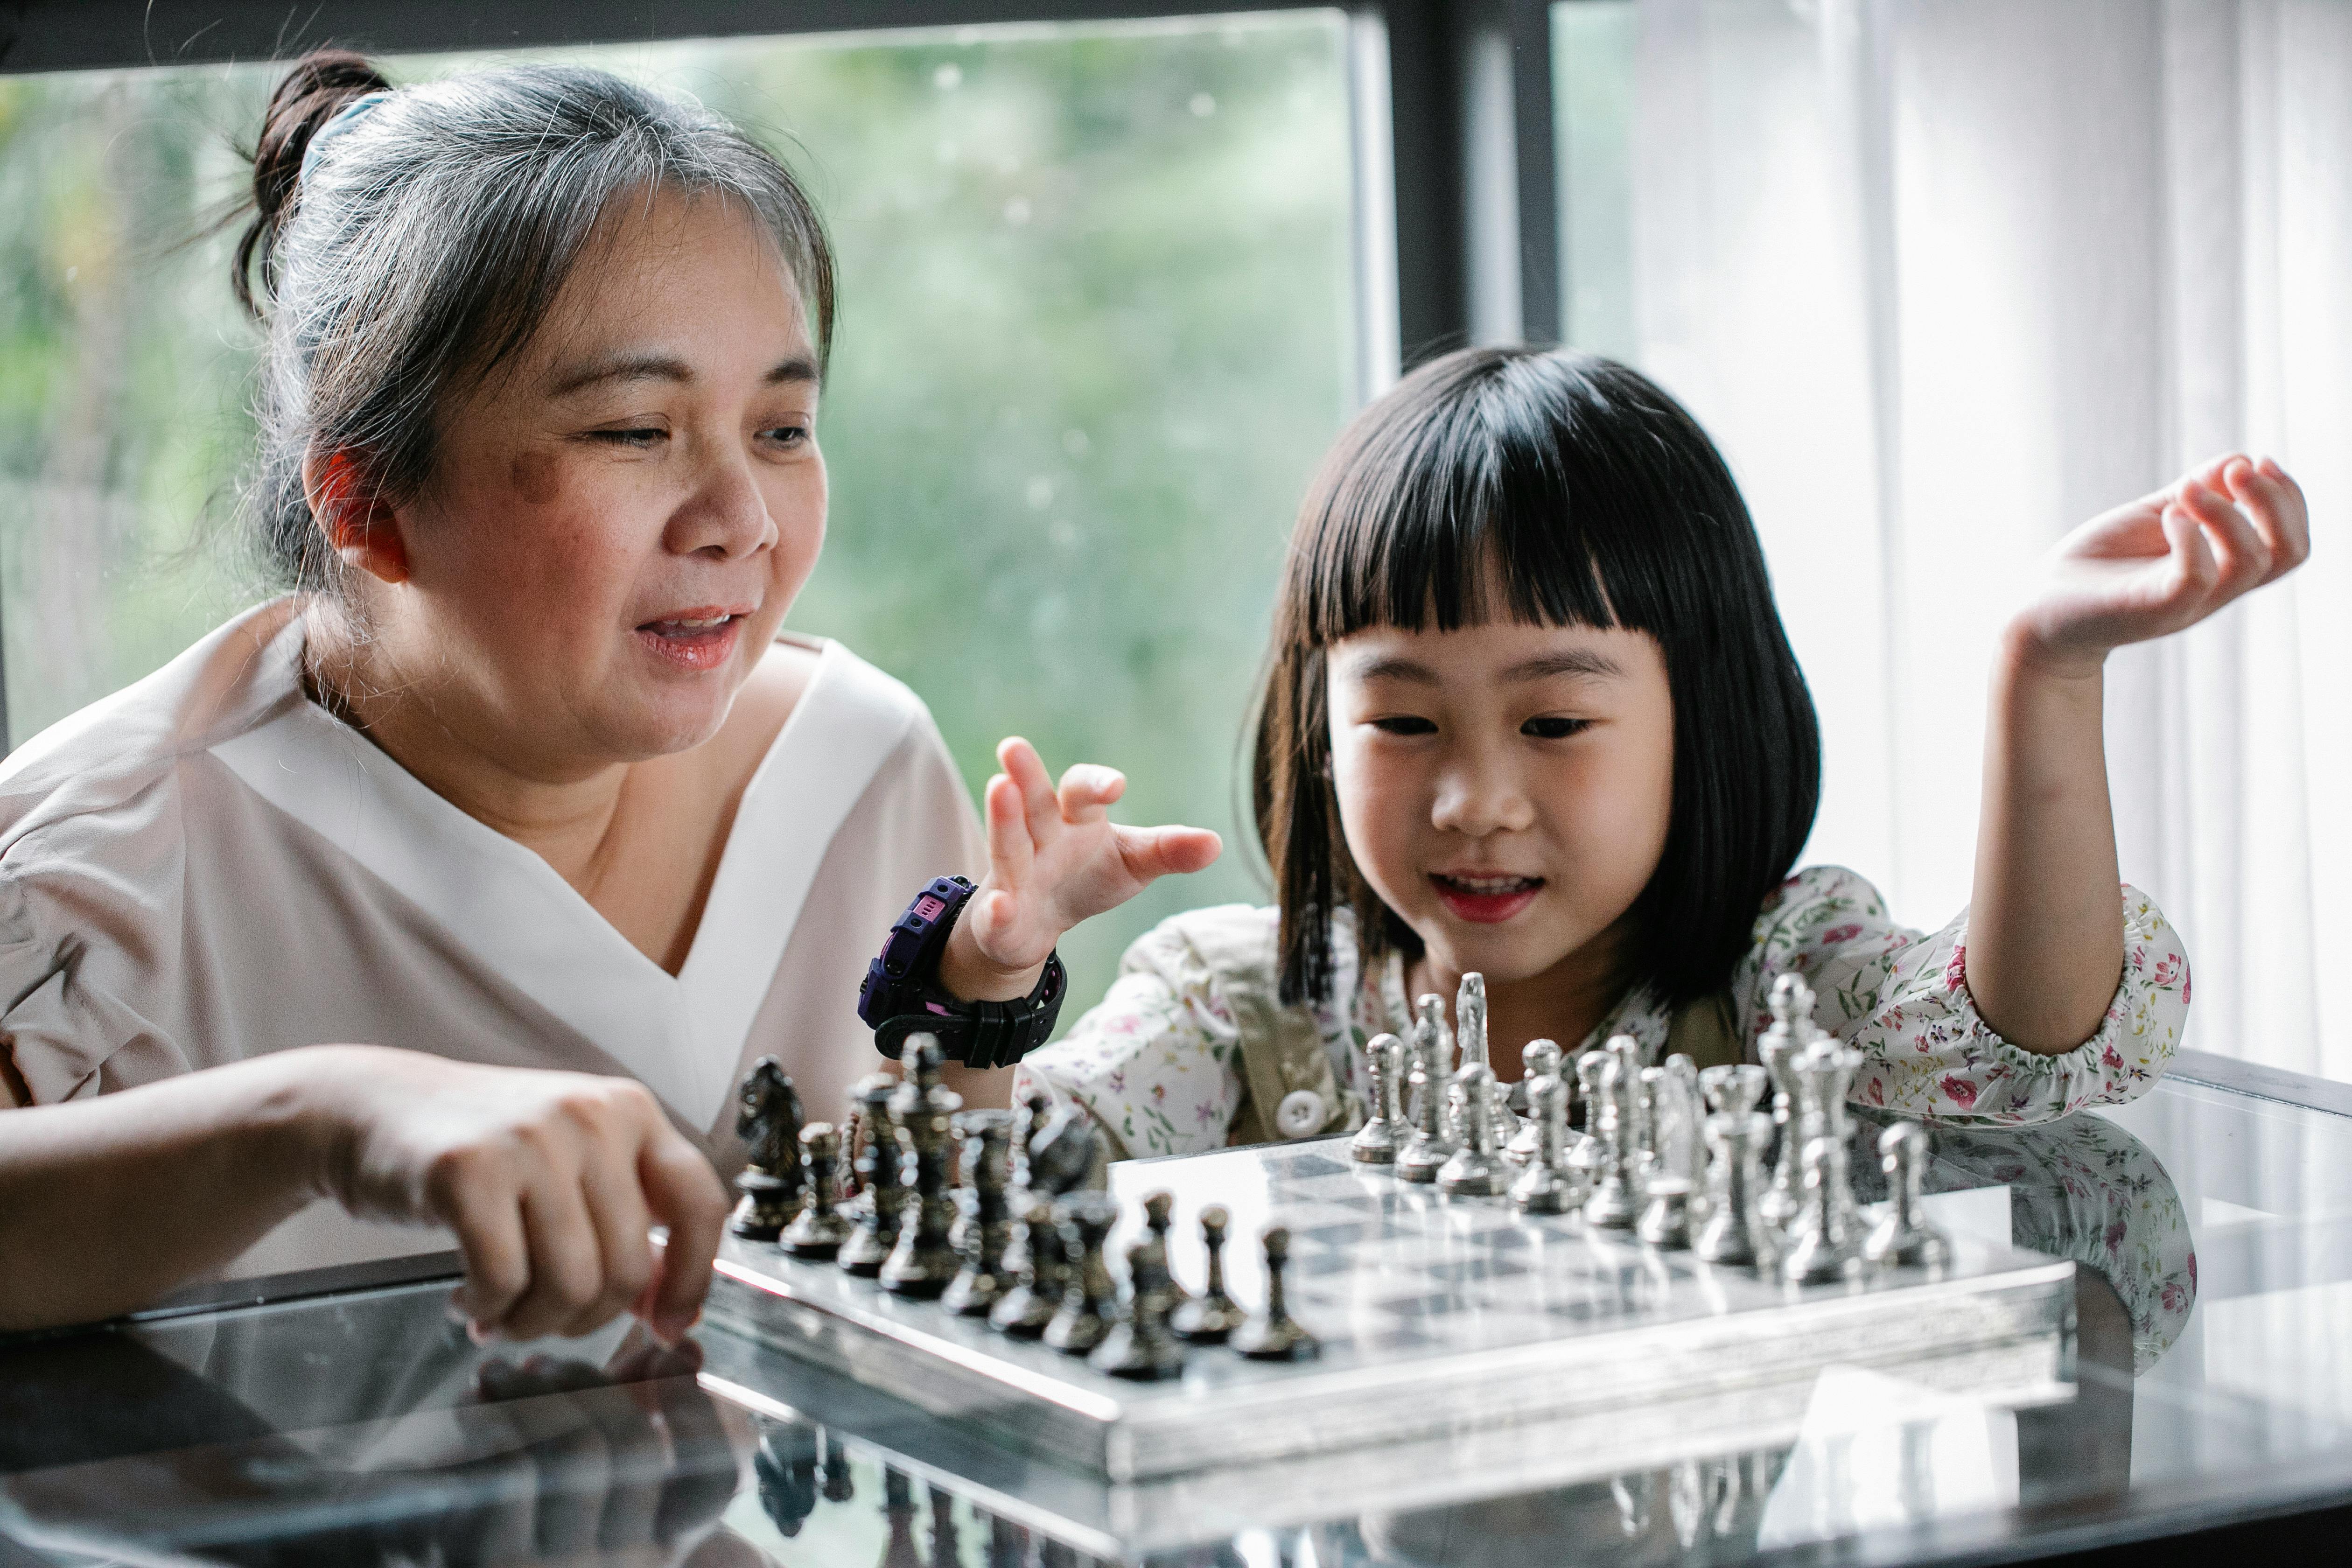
1590,498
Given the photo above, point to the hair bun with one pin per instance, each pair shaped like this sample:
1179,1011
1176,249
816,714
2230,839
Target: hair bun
311,94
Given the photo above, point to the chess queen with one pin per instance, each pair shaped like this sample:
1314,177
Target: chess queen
461,880
1530,713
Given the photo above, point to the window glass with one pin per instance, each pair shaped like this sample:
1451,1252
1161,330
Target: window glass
1096,329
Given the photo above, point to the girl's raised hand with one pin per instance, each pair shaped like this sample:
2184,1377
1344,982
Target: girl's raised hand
1054,859
2164,563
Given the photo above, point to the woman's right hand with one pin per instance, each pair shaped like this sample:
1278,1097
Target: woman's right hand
550,1180
1054,859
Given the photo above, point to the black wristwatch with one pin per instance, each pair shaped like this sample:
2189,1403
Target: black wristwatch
901,996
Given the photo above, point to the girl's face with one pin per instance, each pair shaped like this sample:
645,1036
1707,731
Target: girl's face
616,527
1504,788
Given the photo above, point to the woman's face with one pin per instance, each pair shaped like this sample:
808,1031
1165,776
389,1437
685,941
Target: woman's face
617,524
1504,788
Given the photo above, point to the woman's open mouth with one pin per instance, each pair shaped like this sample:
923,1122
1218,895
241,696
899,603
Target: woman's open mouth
701,639
1486,900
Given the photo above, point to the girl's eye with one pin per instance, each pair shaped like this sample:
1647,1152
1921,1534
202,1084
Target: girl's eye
1555,729
1404,724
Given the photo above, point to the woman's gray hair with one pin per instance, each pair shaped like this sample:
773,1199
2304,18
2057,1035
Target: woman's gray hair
422,247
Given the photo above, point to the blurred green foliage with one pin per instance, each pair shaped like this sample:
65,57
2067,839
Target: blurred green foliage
1095,331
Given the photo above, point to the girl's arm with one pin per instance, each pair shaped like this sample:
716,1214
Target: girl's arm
2045,938
550,1180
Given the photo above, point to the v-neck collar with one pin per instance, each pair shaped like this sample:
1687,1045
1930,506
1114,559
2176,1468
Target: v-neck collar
681,1035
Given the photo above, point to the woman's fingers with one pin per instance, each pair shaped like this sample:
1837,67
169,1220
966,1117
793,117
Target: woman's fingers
616,1208
2242,554
2274,502
567,1267
2194,570
683,1192
470,1193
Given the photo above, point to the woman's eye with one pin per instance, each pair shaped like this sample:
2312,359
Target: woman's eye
787,435
644,436
1404,724
1555,729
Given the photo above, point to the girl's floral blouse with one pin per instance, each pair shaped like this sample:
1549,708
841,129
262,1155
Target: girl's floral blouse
1157,1063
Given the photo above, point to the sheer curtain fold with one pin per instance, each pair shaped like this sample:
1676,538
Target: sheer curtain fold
1946,277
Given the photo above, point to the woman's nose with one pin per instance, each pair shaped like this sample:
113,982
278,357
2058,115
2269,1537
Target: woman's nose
1478,796
726,514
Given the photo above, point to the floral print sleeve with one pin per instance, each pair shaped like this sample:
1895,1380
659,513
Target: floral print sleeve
1903,998
1157,1062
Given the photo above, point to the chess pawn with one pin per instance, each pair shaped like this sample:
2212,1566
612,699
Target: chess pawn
1902,1238
1425,1152
818,1230
1430,1031
981,1281
1470,1029
881,1200
1139,1346
1547,1185
1729,1235
1157,1207
1667,1214
1826,1247
922,1112
1377,1139
1475,1169
1079,1323
1275,1335
1035,1260
1541,1060
1615,1203
1732,1091
1210,1316
768,1117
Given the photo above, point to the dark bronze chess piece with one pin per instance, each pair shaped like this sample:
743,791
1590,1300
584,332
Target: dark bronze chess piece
1066,1155
923,1112
881,1199
818,1230
1088,1299
1902,1238
1139,1346
1008,1544
1376,1142
784,1465
981,1281
1157,1209
1275,1335
1035,1261
1029,1119
946,1551
1209,1318
838,1486
1475,1170
901,1550
845,1169
769,1119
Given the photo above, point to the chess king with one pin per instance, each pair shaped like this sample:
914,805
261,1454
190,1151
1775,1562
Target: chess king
1530,713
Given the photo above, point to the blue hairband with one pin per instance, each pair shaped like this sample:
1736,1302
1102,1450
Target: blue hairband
345,120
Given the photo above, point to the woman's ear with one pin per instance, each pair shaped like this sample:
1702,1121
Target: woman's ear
358,525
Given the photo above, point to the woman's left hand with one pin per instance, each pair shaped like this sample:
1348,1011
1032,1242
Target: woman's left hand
2163,563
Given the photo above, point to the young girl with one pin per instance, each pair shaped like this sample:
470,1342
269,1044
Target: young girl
1529,712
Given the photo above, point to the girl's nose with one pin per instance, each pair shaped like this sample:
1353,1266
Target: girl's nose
1476,798
726,515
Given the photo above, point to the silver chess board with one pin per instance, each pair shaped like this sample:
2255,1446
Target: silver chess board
1441,1319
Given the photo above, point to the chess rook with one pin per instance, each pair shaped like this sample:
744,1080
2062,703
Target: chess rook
1475,1169
1035,1260
1541,1059
1902,1238
1212,1316
1730,1235
1140,1345
1088,1299
1275,1335
768,1117
922,1112
1378,1138
1547,1185
980,1281
1425,1152
818,1230
874,1221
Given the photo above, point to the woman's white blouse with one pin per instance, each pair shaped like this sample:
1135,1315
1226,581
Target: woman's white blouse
208,866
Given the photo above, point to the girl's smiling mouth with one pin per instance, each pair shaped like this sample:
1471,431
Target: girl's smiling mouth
1485,898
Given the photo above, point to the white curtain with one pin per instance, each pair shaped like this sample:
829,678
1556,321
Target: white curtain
1948,277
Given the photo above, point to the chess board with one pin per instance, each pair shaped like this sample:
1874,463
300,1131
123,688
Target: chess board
1439,1318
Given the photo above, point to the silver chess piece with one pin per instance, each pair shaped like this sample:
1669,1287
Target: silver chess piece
1475,1169
880,1199
1140,1345
1541,1060
1902,1238
1275,1335
1729,1235
1679,1109
1378,1140
1430,1146
1432,1034
1790,1032
1035,1261
981,1281
1666,1214
1088,1297
818,1230
1470,1029
1586,1155
1616,1200
1825,1072
1826,1246
1734,1091
1212,1315
1547,1185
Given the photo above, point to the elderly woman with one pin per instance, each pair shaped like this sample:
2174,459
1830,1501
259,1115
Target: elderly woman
460,884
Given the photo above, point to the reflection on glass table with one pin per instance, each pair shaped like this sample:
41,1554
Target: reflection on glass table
2211,1227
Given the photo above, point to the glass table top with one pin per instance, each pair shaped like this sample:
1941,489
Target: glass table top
2212,1222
